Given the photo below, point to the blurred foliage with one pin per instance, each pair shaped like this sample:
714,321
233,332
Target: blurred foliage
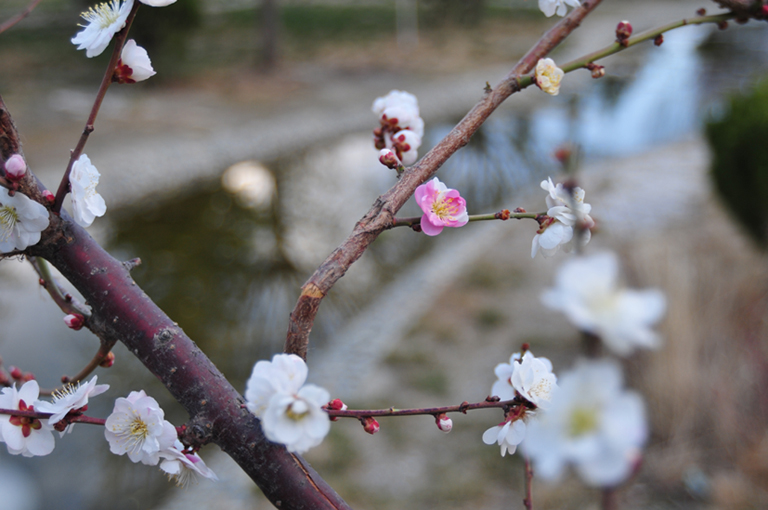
457,12
740,160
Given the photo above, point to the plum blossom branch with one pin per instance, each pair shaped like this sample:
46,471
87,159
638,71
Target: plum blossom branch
381,215
103,358
44,416
20,16
503,215
64,300
89,125
488,403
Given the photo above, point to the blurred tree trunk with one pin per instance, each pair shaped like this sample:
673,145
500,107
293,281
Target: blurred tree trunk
270,32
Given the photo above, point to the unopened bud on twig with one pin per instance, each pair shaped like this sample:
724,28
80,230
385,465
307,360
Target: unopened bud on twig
389,159
16,373
108,360
15,168
597,70
659,40
74,321
370,424
443,422
47,195
336,405
623,33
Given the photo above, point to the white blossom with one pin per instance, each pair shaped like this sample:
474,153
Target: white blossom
24,436
137,427
291,412
286,373
549,7
587,292
104,21
21,221
548,76
507,435
87,204
529,376
593,424
71,398
137,60
184,467
157,3
297,420
567,211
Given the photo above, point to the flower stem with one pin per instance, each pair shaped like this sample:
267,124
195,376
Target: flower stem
44,416
489,403
501,215
105,82
648,35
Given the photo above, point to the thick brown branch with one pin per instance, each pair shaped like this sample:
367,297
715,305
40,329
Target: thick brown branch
381,215
122,311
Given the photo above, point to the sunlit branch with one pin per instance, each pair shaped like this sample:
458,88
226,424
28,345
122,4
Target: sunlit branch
105,82
20,16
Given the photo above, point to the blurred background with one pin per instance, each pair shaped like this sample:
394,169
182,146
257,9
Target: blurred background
238,168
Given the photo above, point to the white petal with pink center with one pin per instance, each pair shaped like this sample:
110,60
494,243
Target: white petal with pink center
24,436
136,57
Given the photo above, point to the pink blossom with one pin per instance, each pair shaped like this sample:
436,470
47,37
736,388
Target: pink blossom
442,206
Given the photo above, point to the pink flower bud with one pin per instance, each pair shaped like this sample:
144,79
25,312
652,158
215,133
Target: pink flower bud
15,168
108,361
370,425
389,159
74,321
16,373
49,196
337,405
443,422
623,32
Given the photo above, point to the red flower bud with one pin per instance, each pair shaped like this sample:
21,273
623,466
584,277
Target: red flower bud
16,373
108,360
370,424
659,40
623,32
49,196
74,321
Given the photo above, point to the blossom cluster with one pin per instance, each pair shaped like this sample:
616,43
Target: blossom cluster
525,377
136,427
401,128
291,412
566,211
34,436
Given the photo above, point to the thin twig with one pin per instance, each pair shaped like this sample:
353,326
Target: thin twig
64,300
105,82
45,416
528,501
380,217
461,408
501,215
20,16
101,355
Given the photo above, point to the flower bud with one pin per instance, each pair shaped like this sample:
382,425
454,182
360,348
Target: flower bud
108,360
443,422
370,425
49,196
28,376
337,405
623,32
598,72
659,40
15,168
389,159
74,321
16,373
701,12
